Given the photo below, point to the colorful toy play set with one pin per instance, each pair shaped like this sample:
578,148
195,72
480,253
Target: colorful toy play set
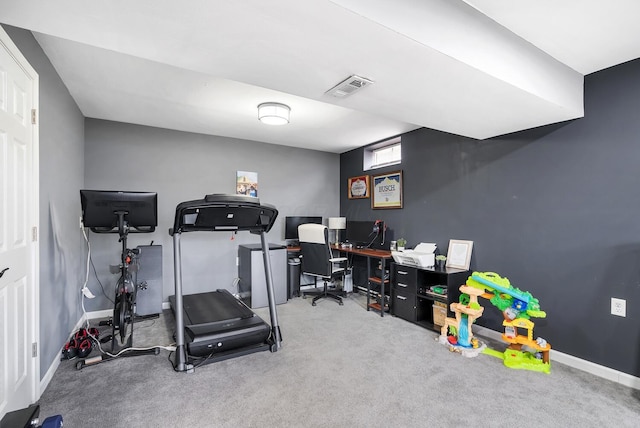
517,307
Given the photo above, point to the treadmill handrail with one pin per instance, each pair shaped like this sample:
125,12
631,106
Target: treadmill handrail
223,213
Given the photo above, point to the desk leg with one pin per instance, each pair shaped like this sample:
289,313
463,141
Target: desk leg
382,263
368,282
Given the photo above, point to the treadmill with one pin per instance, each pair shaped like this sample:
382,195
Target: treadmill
215,326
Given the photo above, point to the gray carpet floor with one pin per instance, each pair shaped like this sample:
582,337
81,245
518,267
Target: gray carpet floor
340,366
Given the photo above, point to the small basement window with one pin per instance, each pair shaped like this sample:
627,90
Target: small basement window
383,154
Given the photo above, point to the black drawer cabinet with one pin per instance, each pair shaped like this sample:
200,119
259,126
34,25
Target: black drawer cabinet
404,286
405,280
404,305
411,299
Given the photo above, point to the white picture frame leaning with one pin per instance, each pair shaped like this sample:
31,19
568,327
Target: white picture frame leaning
459,254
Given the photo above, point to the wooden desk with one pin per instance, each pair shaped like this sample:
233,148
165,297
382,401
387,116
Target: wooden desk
383,256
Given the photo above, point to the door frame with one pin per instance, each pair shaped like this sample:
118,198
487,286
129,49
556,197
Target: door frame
33,223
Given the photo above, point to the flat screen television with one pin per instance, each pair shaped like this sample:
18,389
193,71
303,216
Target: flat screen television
291,225
101,210
365,234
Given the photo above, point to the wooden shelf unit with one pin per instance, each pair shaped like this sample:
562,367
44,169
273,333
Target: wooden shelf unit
384,258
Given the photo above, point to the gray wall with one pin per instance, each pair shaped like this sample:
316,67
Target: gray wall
61,176
554,209
182,166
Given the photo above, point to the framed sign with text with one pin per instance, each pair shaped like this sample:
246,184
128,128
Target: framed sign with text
358,187
386,190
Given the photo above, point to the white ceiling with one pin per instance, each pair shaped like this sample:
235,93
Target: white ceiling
477,68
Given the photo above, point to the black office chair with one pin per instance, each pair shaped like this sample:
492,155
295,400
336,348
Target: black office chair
318,261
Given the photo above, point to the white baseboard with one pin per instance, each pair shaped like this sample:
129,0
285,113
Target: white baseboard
44,382
596,369
105,313
575,362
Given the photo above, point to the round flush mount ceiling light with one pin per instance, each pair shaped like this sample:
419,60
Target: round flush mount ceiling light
274,113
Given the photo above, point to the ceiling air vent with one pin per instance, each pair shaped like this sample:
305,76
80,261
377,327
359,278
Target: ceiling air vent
349,86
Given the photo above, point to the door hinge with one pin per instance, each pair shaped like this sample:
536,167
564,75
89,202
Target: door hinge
33,116
34,349
34,233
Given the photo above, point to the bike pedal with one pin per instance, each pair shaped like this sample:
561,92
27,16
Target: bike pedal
106,339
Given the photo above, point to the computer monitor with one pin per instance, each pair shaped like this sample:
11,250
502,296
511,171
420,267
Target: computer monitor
365,234
101,210
291,225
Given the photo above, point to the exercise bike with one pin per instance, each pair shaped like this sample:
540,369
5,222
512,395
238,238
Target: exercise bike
125,292
121,212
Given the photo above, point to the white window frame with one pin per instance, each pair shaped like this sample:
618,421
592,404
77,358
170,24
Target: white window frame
369,154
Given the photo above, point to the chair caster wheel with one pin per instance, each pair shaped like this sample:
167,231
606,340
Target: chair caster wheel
313,303
341,303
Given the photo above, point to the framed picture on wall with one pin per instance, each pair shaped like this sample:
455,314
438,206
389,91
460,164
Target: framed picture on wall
386,190
358,187
459,254
247,183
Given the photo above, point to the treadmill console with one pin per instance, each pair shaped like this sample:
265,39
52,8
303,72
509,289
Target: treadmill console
219,212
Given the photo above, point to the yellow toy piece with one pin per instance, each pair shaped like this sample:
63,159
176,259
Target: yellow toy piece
471,311
516,341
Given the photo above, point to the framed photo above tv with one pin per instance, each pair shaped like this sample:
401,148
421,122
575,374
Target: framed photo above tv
358,187
386,190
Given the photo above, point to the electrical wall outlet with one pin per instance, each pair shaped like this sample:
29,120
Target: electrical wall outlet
618,307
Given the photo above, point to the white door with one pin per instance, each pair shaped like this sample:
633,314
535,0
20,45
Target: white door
19,369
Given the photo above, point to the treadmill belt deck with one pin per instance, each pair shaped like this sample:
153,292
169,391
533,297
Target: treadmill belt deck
216,322
212,307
